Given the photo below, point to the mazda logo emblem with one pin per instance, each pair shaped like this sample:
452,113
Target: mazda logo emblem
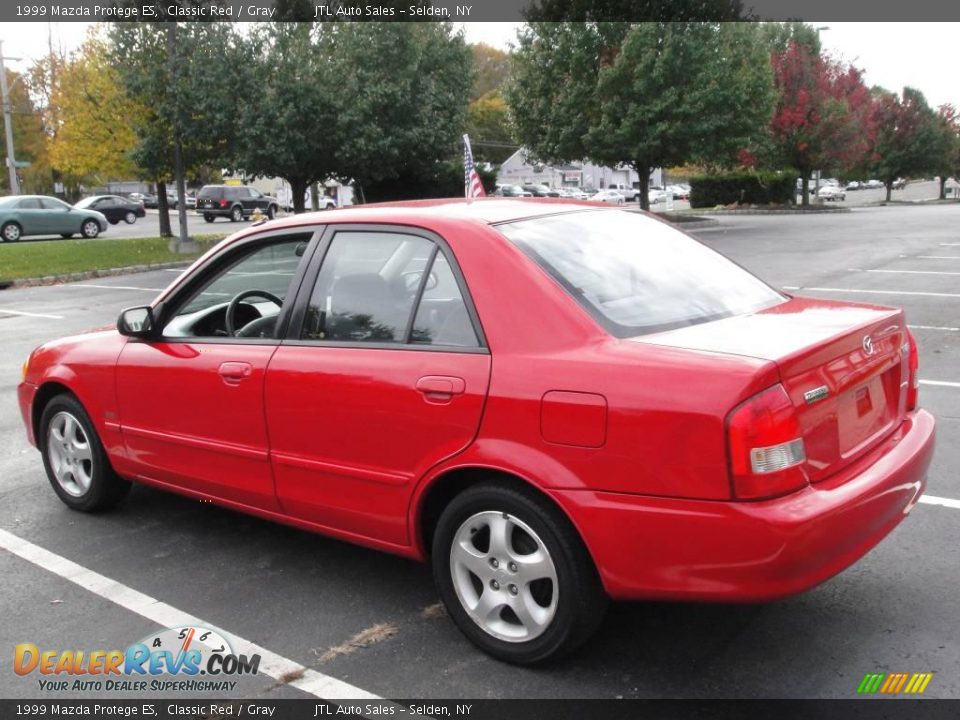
868,345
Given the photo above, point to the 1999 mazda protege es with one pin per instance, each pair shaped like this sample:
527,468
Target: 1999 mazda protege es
553,402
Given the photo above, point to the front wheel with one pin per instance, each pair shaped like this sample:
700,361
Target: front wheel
236,215
74,459
90,228
514,575
130,218
10,232
271,212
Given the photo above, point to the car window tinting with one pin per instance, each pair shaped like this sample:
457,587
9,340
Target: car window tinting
635,275
442,317
366,288
29,204
268,267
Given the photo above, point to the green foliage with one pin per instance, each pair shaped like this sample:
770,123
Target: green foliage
491,134
760,188
906,137
646,95
491,67
634,10
445,182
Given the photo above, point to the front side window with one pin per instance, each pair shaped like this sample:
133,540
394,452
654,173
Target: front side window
50,203
635,275
243,298
367,287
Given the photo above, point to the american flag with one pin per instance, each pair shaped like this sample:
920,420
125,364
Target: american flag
472,186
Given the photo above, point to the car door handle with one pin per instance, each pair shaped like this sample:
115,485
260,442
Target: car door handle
440,388
233,372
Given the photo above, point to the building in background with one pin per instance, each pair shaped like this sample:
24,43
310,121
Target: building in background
519,170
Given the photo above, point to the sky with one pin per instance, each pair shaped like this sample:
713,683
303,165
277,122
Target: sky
893,55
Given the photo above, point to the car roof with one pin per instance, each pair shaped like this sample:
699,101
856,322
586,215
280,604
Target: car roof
487,211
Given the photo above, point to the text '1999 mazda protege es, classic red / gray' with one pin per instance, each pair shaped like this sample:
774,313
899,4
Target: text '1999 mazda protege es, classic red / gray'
554,403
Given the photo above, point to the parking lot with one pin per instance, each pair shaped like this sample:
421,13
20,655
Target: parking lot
334,619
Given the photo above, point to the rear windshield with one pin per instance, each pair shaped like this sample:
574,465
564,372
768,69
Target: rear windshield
210,192
635,275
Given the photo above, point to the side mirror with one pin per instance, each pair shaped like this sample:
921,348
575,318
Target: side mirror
136,322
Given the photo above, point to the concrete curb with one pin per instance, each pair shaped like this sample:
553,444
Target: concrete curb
90,274
772,211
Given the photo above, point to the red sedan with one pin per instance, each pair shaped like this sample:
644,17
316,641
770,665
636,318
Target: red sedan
556,403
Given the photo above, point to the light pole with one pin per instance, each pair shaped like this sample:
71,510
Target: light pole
8,126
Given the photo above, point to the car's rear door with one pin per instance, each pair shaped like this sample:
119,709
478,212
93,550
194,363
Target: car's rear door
384,374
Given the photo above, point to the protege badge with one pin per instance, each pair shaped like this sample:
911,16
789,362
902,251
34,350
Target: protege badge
815,395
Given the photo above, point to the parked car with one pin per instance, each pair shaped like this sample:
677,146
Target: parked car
540,190
572,193
678,192
675,429
148,200
609,196
831,192
113,207
23,215
874,184
657,196
853,185
513,191
630,193
899,184
236,202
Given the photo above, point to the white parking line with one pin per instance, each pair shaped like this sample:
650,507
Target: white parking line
936,257
908,272
940,383
119,287
874,292
945,502
949,244
30,314
271,664
933,327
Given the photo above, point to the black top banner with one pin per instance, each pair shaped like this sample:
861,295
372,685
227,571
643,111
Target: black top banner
475,10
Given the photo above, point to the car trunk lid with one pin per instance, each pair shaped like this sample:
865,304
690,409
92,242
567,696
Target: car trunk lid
844,367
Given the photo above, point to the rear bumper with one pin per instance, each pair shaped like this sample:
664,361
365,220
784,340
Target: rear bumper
648,548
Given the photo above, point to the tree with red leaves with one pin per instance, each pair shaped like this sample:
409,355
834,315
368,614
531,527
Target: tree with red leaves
905,138
822,115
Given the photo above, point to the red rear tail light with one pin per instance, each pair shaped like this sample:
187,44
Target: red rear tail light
913,364
766,448
224,202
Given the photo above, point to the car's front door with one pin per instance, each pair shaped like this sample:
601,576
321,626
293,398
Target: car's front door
385,374
59,217
191,402
33,218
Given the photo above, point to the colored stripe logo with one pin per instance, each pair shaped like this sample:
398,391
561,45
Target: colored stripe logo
894,683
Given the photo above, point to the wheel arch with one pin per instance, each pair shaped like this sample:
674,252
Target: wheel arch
45,393
438,491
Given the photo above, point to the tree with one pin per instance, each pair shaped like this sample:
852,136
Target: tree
588,11
94,141
491,134
491,67
403,90
905,138
645,95
166,67
947,146
292,126
29,140
822,116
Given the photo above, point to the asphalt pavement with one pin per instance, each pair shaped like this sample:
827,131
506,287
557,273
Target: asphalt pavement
308,599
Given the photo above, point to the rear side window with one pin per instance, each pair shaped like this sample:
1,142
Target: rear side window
210,193
635,275
442,318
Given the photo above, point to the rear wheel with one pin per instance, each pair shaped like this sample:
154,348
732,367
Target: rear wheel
271,212
10,232
514,575
130,218
74,459
90,228
236,214
208,217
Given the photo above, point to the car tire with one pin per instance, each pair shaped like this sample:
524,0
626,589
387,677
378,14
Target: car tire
73,456
271,212
560,595
10,232
208,217
130,218
90,228
236,214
